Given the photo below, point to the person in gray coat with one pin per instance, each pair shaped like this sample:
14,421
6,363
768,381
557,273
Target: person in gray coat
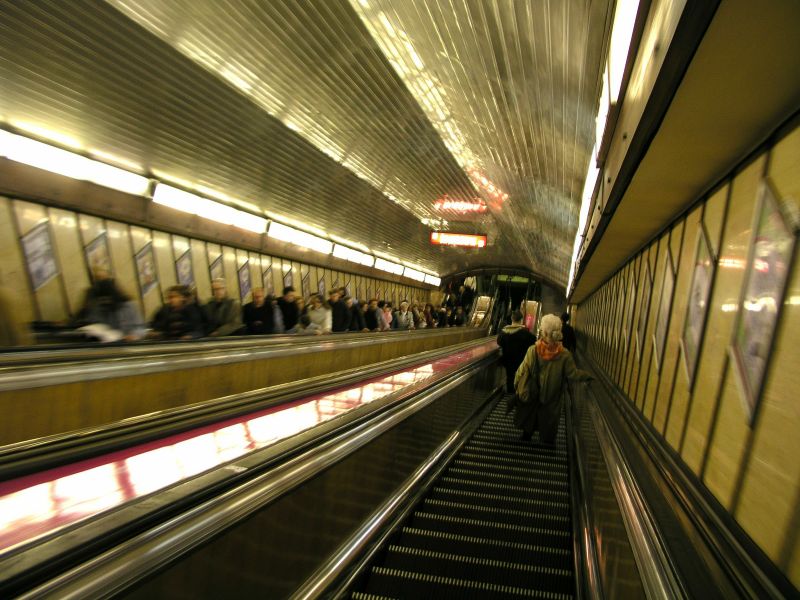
223,315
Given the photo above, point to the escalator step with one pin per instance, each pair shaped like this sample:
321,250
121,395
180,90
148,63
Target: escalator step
530,481
474,454
444,564
501,501
525,454
493,513
546,536
485,486
514,443
453,543
363,596
410,584
557,476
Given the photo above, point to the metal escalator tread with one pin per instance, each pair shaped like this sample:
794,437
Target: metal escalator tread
496,524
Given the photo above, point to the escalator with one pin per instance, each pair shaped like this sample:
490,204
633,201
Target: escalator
496,524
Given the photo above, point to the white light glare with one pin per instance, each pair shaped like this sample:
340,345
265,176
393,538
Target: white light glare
300,238
414,274
355,256
207,209
624,18
389,267
62,162
432,280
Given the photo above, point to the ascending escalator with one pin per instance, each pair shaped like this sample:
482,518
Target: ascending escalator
496,524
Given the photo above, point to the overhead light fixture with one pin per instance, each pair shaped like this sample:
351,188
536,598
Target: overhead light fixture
621,34
389,267
432,280
460,206
167,195
299,238
62,162
355,256
414,274
445,238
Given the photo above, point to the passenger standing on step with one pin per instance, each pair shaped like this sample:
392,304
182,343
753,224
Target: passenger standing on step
514,340
289,309
552,366
223,314
570,343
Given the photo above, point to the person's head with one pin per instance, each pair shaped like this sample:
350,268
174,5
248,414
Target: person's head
516,317
288,293
219,290
404,306
429,308
349,301
387,307
316,300
258,296
177,296
105,292
373,303
550,329
565,317
380,304
333,296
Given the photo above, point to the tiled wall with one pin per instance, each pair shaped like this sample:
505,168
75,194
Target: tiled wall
749,464
75,239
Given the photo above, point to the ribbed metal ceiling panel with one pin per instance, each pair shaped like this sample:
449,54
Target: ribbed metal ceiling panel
352,117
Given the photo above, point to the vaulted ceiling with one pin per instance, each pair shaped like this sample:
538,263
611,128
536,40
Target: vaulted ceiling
358,118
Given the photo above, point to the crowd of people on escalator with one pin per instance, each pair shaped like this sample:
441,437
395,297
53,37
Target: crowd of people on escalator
109,314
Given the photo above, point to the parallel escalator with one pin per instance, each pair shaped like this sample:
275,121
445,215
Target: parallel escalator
496,524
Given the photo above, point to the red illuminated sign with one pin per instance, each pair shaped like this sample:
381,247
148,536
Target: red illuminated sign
460,206
458,239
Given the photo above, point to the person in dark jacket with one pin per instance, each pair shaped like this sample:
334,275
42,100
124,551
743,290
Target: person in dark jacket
340,313
373,315
514,340
223,314
357,322
458,318
257,315
568,333
179,318
289,308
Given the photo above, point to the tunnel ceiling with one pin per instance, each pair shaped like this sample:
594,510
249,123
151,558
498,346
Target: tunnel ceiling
358,118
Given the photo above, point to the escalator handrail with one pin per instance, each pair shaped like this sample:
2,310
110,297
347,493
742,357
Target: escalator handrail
123,565
97,368
29,456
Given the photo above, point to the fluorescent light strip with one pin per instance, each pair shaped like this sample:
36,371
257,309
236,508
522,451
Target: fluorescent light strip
167,195
389,267
299,238
355,256
432,280
63,162
414,274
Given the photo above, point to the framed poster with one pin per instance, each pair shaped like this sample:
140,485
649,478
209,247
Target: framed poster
321,287
287,278
306,284
641,322
183,269
245,284
146,269
97,256
269,286
217,269
39,256
769,263
698,303
664,311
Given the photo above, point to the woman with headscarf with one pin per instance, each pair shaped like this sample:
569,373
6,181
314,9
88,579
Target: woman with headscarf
550,365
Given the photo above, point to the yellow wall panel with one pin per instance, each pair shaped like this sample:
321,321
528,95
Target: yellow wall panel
91,227
714,216
13,274
727,444
29,215
165,261
119,246
200,264
649,374
770,485
633,361
64,225
680,393
180,245
231,271
722,313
